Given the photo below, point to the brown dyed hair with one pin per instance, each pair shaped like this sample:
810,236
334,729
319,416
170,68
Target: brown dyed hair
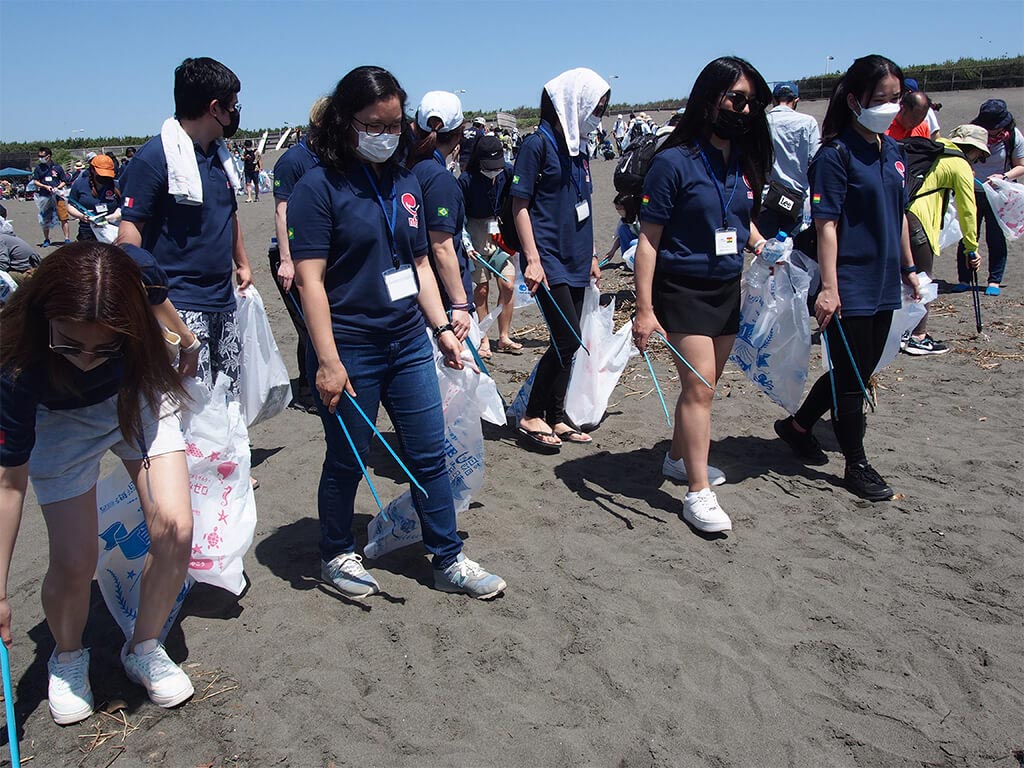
425,142
95,283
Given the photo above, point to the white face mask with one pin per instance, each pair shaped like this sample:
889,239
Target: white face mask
591,123
376,149
491,174
878,119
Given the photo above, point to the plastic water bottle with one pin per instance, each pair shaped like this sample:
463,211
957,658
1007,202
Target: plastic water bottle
777,249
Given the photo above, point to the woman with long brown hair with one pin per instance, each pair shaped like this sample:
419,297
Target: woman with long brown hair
83,370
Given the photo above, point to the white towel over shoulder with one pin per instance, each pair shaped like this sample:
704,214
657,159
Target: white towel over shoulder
183,181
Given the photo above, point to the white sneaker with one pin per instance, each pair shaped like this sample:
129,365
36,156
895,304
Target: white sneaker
69,691
701,510
676,470
149,665
347,574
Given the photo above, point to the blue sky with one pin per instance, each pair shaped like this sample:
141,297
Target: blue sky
288,52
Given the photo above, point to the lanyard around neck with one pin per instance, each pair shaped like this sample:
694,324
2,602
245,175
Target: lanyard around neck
719,188
578,183
389,219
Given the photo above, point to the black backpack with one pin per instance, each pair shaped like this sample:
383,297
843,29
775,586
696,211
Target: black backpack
806,241
506,221
634,164
636,131
922,155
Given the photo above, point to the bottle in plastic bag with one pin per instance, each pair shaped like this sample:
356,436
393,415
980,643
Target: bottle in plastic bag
777,249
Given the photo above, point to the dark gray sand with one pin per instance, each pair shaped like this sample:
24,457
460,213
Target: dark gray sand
823,631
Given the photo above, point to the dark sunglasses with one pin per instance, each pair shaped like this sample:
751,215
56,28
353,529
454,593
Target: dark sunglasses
740,100
69,351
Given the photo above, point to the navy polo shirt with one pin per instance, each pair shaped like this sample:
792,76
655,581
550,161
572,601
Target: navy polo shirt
106,194
51,175
444,211
337,217
481,195
682,195
865,192
565,245
291,167
194,244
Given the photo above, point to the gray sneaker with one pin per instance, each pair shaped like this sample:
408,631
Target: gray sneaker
467,577
348,576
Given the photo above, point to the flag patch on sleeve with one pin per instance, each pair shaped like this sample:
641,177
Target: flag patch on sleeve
128,202
816,199
645,200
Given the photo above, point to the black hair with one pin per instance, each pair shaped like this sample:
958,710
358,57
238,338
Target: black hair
755,146
914,100
247,143
44,150
548,113
113,159
129,149
860,80
360,88
631,204
197,82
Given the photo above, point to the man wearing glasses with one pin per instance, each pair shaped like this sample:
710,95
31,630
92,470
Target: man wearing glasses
185,214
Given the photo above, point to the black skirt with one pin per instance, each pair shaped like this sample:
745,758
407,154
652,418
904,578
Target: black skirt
697,305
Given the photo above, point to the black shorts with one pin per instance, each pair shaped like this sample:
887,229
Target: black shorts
253,176
697,305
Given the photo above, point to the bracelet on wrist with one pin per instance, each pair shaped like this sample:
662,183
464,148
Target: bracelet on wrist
465,307
911,270
759,244
441,329
194,346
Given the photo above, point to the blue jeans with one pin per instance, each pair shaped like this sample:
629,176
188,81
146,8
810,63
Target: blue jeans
994,239
401,375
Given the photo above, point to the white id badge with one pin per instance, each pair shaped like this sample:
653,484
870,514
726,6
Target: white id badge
400,282
725,242
101,208
582,211
492,227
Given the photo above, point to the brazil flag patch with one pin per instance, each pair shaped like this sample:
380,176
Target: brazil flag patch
515,179
442,211
291,233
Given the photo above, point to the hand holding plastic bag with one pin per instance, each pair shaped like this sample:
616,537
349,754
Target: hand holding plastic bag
263,384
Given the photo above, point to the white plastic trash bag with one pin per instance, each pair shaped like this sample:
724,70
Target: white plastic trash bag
906,318
105,233
265,181
488,399
521,295
594,376
950,233
1006,199
773,346
123,545
629,257
223,504
7,287
464,457
263,384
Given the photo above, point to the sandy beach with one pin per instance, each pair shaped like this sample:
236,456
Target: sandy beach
823,631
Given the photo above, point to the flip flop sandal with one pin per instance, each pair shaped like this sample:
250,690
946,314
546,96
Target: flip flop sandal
485,354
510,349
569,435
532,437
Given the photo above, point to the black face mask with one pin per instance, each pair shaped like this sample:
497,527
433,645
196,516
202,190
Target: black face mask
731,125
232,126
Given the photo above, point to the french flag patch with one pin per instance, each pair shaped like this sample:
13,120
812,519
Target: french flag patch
128,202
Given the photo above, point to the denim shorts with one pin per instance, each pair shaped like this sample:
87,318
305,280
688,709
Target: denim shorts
65,461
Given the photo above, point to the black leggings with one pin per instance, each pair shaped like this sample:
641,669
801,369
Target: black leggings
866,336
547,398
292,303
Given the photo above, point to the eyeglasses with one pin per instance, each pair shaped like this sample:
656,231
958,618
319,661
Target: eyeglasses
378,129
741,100
67,350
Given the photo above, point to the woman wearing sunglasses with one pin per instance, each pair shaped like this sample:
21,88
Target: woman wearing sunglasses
358,236
700,198
858,199
84,370
551,207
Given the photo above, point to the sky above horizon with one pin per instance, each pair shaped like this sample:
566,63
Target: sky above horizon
289,52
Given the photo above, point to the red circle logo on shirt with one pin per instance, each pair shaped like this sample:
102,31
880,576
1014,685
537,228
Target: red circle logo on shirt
410,205
901,168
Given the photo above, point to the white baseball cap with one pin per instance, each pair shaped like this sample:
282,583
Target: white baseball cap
443,105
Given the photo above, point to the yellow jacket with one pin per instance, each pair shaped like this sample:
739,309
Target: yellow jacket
953,174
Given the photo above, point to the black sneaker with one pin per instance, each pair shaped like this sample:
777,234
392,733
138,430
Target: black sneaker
925,346
862,480
804,445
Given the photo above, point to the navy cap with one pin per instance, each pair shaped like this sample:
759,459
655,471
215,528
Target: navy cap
993,115
911,84
786,89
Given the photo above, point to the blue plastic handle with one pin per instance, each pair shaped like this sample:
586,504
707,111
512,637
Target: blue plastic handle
12,724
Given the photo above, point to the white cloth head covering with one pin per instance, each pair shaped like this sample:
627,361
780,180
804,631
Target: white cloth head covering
574,95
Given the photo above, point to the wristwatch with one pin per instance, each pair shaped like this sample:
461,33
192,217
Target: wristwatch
442,328
911,270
